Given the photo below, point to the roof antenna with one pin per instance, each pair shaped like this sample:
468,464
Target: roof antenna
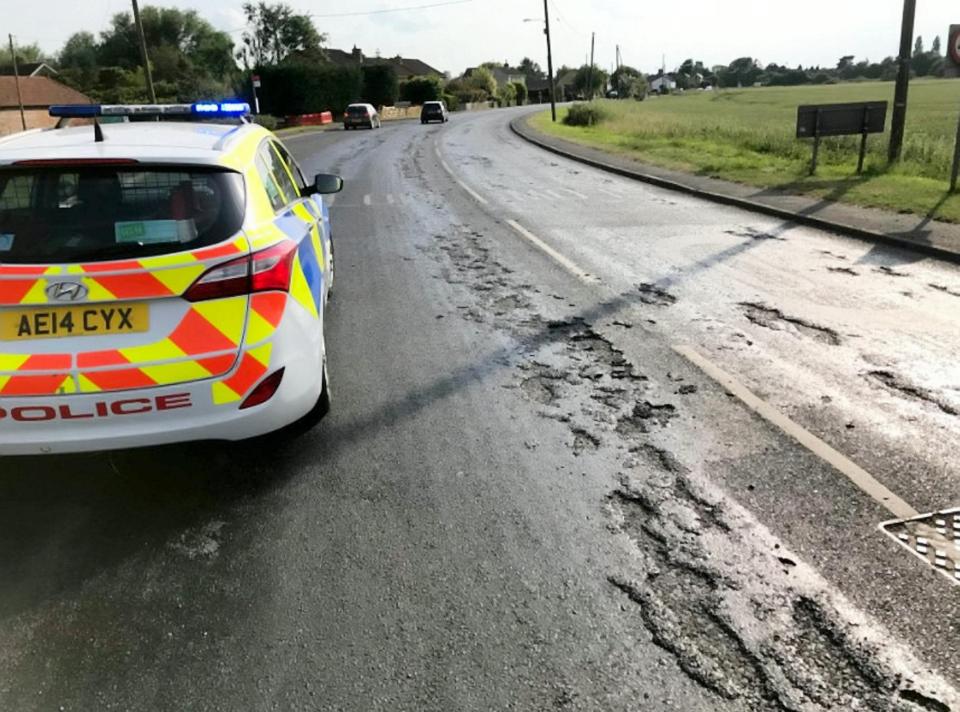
97,132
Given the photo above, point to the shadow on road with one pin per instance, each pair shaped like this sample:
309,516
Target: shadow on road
64,519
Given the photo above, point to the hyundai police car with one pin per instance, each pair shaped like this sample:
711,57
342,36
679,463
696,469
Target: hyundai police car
159,281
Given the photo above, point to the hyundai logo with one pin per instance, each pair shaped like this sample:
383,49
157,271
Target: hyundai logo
67,291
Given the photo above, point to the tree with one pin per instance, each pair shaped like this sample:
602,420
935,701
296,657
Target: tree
520,89
188,57
421,89
275,32
531,68
918,45
507,94
936,45
590,81
380,86
481,79
629,82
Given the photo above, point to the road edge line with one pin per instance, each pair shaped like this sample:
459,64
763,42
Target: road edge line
560,259
866,482
443,164
857,233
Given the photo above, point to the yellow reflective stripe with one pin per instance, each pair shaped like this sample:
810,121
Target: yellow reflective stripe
12,362
164,350
262,353
176,259
227,315
178,280
300,289
68,386
37,293
286,168
3,381
258,329
221,394
98,293
176,372
86,385
54,270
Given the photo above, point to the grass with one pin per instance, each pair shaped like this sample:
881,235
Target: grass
748,136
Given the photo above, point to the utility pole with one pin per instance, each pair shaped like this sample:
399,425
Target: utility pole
593,36
903,81
143,53
16,80
553,86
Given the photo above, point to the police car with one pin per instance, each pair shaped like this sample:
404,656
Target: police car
159,282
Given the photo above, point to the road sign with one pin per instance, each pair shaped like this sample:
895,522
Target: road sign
256,81
864,118
952,68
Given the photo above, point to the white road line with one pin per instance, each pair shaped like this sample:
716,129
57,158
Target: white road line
574,192
610,193
476,196
856,474
390,198
331,199
564,262
553,194
366,199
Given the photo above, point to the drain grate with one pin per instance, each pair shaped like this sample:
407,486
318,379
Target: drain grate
935,538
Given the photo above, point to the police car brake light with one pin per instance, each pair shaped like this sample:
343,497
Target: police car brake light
265,271
232,109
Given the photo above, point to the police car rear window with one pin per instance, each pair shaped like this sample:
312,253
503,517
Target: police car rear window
75,213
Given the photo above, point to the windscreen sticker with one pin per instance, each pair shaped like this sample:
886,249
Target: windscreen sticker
152,232
6,242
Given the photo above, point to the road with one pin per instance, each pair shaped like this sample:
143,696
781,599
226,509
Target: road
594,446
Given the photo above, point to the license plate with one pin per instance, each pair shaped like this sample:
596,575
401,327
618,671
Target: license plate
63,322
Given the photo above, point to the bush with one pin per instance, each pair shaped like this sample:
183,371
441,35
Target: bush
585,115
268,122
380,86
452,101
303,88
421,89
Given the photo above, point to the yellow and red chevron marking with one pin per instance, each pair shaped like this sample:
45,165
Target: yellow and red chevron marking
253,366
37,384
147,278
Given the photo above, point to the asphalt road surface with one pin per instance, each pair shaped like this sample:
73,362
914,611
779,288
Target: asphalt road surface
594,446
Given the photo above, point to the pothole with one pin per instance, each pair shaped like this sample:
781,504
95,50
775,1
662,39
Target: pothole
771,318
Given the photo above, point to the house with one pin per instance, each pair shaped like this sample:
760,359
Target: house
661,83
38,94
405,67
566,85
29,69
538,90
502,75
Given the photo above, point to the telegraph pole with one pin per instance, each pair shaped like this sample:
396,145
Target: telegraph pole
903,81
143,53
553,86
593,36
16,80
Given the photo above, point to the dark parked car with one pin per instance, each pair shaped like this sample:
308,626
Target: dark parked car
434,111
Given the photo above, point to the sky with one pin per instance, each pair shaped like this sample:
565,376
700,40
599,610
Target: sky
463,33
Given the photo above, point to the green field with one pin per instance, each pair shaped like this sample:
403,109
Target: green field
748,136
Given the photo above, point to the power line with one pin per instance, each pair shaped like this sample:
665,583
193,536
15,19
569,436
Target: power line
391,9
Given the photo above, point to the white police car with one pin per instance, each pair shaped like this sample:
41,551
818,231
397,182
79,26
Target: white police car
159,281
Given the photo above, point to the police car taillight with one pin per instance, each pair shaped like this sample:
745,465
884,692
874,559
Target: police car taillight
265,271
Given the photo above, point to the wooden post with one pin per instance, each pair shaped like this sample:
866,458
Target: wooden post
955,174
863,139
816,145
16,80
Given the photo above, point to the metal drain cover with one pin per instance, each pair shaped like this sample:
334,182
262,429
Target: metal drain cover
935,538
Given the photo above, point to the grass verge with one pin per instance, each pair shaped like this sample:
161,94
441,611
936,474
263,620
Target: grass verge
748,136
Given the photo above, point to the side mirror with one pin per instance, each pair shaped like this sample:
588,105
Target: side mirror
327,183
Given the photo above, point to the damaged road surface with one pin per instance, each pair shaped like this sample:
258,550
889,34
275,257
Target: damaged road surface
526,496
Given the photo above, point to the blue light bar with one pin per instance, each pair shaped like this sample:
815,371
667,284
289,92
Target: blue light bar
75,110
201,108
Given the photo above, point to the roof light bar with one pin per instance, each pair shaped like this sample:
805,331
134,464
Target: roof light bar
203,108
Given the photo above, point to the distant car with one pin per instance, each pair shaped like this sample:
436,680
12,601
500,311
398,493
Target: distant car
434,111
361,115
